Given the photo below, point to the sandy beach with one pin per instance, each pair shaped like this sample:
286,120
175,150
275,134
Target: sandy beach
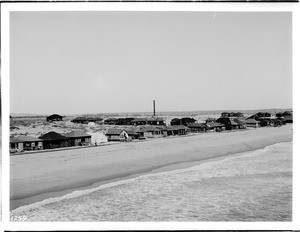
35,177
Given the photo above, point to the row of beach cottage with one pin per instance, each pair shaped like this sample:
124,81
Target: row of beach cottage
128,129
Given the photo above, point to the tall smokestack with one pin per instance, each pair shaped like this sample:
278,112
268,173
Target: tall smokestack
153,107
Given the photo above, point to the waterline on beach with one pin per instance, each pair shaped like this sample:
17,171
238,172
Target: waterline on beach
254,185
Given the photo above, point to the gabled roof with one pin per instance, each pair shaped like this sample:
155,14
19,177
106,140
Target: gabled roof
131,130
162,127
239,121
15,140
148,129
214,124
115,131
24,138
172,128
52,135
198,125
76,134
251,120
180,127
55,116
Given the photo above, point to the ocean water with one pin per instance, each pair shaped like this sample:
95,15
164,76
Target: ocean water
252,186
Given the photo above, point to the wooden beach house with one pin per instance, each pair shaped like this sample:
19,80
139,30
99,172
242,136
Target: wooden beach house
229,122
148,121
150,131
117,135
287,116
133,132
156,121
182,121
124,121
86,120
25,143
232,114
197,127
264,118
54,117
178,129
53,140
110,121
78,138
215,126
251,122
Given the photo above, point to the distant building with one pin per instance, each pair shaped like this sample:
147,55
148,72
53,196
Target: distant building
177,130
110,121
264,118
116,135
197,127
150,131
86,120
148,121
263,115
251,122
182,121
231,123
139,121
54,117
231,114
215,126
78,138
133,132
124,121
287,116
156,121
54,140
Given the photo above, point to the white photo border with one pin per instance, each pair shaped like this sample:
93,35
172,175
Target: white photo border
6,8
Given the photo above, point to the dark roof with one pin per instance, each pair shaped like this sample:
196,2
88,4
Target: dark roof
55,116
147,119
139,120
131,130
110,119
115,131
155,119
198,125
76,134
26,138
180,127
162,127
172,128
210,120
148,128
52,135
15,140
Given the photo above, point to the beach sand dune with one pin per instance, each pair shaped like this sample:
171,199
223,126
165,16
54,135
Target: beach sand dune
35,177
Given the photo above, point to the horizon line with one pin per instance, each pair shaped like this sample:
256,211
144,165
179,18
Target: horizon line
150,112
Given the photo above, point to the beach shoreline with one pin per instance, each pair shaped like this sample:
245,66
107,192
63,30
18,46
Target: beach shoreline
128,160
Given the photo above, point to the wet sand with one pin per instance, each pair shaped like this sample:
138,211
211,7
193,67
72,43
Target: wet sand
35,177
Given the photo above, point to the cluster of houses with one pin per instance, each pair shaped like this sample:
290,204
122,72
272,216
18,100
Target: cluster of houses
49,140
128,129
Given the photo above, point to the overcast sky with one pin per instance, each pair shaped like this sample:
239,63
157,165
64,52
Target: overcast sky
100,62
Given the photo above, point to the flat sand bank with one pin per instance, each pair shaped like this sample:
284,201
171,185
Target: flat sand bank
35,177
